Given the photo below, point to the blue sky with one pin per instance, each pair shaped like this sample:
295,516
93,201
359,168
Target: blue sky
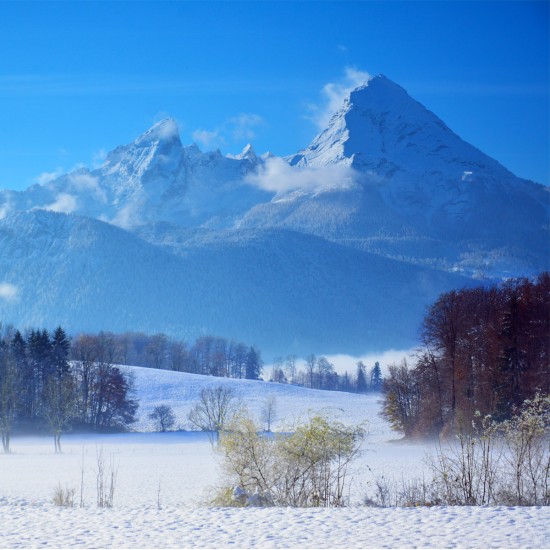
79,78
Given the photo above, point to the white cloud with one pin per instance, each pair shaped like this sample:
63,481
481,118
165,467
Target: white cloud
168,129
207,138
243,126
348,363
98,158
335,93
278,176
4,209
127,217
64,202
46,177
8,292
234,130
86,182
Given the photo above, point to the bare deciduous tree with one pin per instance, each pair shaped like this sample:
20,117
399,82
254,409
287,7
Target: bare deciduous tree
484,349
59,406
269,411
215,410
402,401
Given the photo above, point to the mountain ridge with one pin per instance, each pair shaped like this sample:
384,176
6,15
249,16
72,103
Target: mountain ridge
338,248
70,271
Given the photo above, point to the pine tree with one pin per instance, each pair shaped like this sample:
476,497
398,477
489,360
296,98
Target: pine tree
18,347
253,364
40,367
361,382
376,377
60,347
9,391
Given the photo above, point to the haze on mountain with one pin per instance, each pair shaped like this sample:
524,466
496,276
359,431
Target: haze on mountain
338,248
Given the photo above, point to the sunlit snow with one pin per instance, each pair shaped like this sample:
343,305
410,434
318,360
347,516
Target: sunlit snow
164,481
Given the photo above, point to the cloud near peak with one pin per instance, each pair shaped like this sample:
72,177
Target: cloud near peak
208,138
335,93
277,176
64,203
46,177
234,130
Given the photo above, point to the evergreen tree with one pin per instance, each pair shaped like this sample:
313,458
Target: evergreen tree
361,382
345,382
27,390
60,347
19,348
39,367
254,364
376,377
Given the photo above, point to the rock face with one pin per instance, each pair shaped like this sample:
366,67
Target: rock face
338,248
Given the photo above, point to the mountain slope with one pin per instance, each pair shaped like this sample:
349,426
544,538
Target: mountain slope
281,290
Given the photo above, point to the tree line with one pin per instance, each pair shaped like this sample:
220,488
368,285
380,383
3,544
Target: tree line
484,352
217,356
40,388
319,373
209,355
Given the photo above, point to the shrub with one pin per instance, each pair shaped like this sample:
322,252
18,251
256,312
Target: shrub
105,482
527,454
488,463
64,496
307,468
466,472
407,493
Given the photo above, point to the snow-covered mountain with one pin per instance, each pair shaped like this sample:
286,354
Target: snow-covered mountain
338,248
421,193
152,179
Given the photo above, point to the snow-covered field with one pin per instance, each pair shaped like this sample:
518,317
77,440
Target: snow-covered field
164,482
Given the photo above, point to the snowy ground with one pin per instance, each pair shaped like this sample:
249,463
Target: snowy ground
47,526
164,482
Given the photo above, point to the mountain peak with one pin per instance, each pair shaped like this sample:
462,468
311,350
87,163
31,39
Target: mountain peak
379,85
166,130
247,153
382,129
380,94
